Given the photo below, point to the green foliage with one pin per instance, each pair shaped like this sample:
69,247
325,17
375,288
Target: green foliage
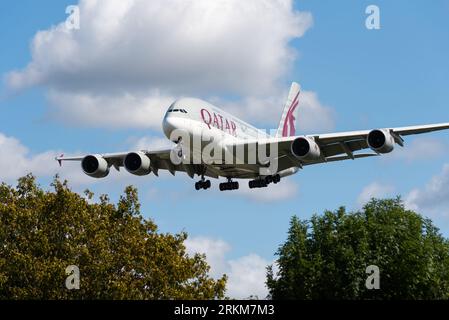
326,258
120,255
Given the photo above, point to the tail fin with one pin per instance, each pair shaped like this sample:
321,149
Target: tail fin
287,124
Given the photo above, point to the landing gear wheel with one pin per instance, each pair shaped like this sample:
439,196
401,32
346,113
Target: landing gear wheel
258,183
202,184
263,182
230,185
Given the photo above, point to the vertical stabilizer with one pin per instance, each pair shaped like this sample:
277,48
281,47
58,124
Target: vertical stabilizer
287,125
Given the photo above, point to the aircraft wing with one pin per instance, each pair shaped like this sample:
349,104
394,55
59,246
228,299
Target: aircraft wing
348,142
401,131
110,157
159,160
339,146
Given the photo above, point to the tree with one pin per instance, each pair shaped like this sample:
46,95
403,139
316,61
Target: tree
120,255
327,257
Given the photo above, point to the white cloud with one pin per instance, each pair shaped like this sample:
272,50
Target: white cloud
433,198
109,110
246,275
139,110
152,143
422,148
16,160
374,190
131,57
168,43
313,115
215,251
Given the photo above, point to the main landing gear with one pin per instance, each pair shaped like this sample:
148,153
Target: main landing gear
230,185
202,184
264,182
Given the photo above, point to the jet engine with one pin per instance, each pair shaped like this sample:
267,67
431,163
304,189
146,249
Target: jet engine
381,141
95,166
137,163
305,148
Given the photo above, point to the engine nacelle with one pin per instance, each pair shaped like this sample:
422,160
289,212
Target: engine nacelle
137,163
95,166
381,141
305,148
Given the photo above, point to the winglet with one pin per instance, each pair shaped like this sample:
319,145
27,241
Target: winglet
59,159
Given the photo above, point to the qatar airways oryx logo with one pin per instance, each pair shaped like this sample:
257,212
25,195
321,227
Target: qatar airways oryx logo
289,123
216,120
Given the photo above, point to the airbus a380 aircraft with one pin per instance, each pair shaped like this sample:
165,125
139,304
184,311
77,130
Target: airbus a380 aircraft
188,120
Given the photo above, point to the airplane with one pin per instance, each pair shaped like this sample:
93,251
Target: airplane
189,119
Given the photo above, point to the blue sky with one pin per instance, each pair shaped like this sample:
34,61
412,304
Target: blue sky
395,76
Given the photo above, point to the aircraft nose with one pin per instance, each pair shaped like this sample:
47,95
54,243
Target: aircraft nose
172,123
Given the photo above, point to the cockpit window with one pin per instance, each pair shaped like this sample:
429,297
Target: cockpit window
171,107
177,110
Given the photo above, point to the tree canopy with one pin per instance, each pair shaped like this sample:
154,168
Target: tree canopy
120,255
327,257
